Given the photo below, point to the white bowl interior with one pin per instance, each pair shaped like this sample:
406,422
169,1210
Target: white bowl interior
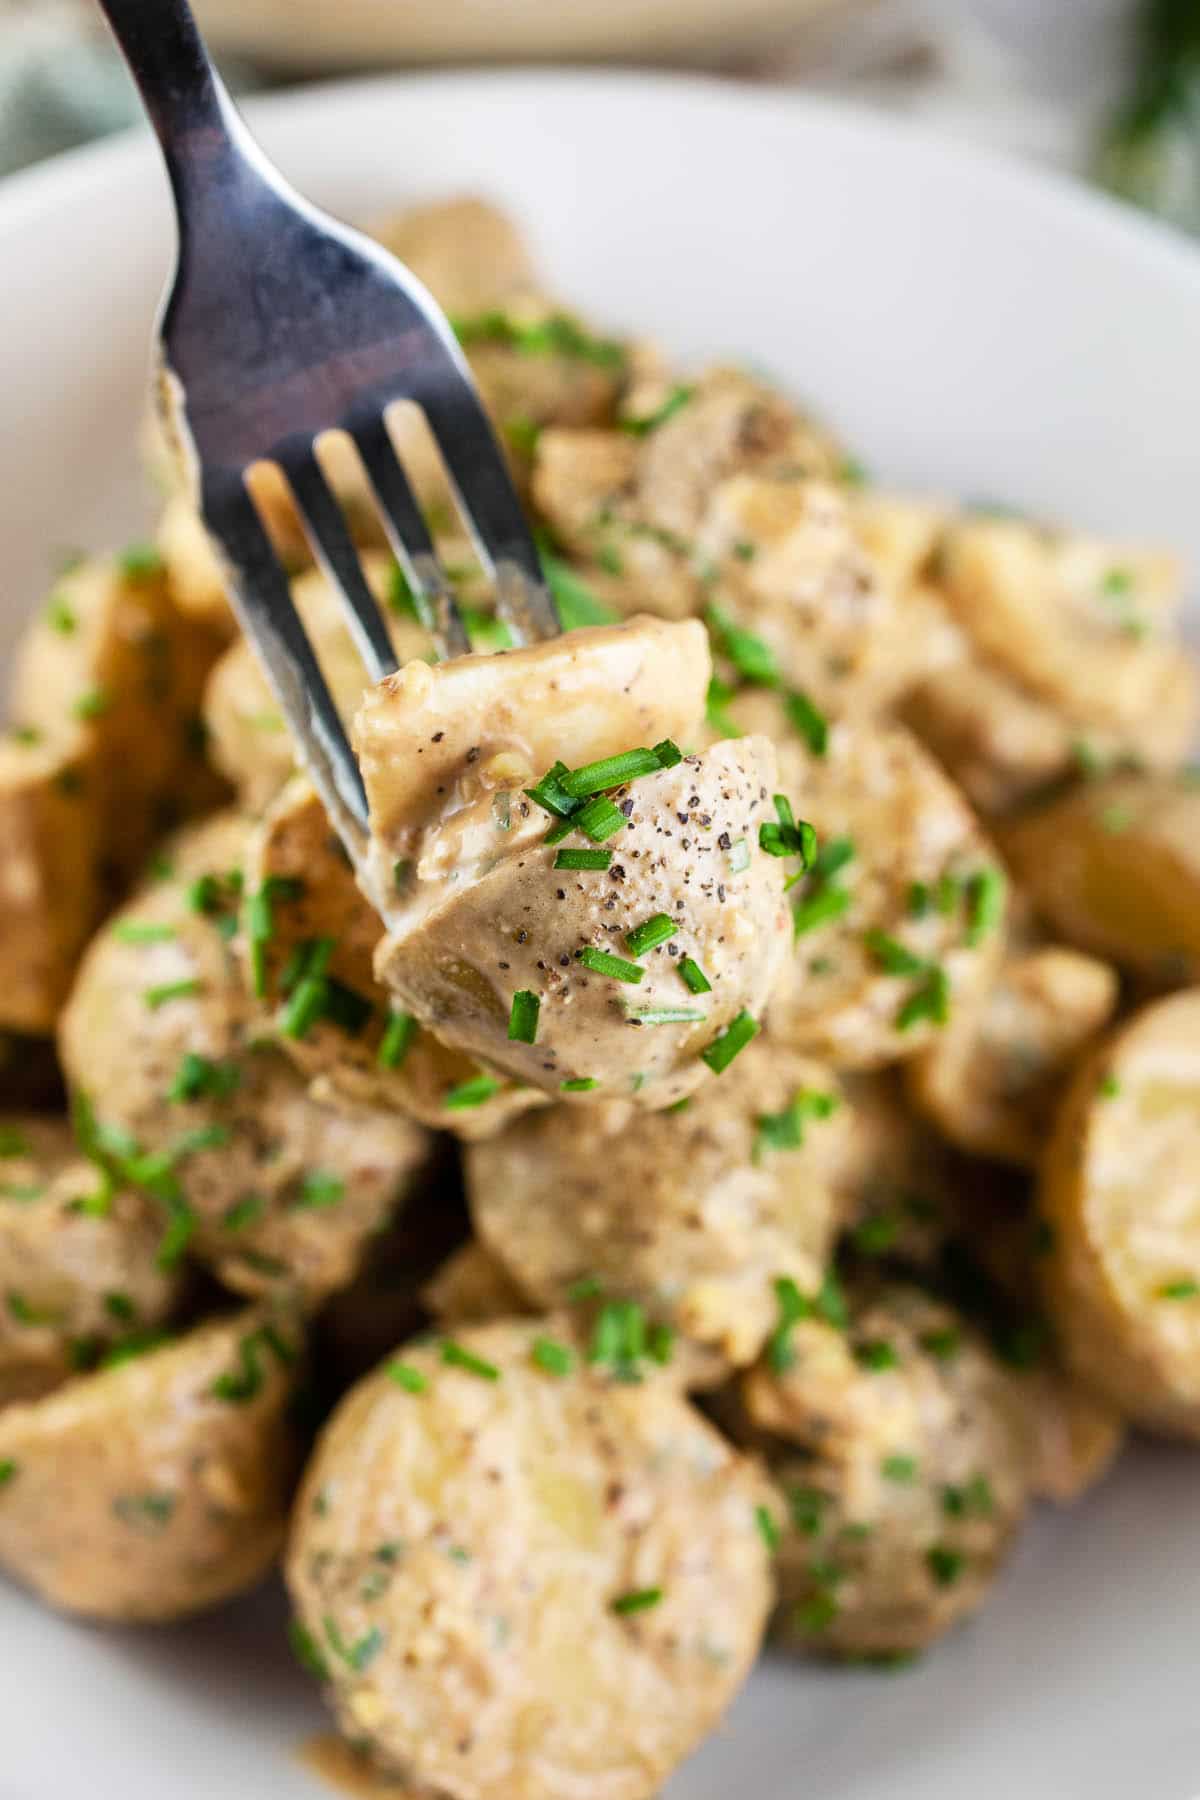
972,327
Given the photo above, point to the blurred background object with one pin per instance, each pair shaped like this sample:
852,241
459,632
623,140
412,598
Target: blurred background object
1105,87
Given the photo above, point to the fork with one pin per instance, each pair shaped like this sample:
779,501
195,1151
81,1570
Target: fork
279,324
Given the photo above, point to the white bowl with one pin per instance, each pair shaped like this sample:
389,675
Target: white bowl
973,326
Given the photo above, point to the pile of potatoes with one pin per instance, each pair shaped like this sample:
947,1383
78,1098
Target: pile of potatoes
556,1389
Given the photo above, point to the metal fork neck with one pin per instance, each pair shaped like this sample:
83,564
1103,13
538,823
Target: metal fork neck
186,100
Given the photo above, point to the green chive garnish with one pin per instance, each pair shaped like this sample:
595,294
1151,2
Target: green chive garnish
155,997
397,1040
583,859
602,963
456,1356
639,1600
408,1378
693,977
609,772
650,934
597,820
473,1092
551,1356
579,1084
523,1017
730,1043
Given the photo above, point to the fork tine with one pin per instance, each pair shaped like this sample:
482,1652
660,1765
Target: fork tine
268,616
337,554
488,502
409,537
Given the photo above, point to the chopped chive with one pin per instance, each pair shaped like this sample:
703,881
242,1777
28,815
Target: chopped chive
919,900
8,1469
877,1235
583,859
598,819
768,1530
473,1092
397,1040
405,1376
138,562
792,1308
485,630
730,1042
660,1343
901,1469
832,858
785,1130
91,705
693,977
665,1015
60,616
1108,1087
574,600
260,921
647,422
752,658
638,1600
717,699
931,1001
616,967
892,956
650,934
155,997
318,1190
132,933
945,1565
579,1084
876,1354
1185,1289
986,891
551,1356
523,1017
585,1287
457,1356
198,1077
808,721
739,856
246,1211
609,772
818,1612
667,753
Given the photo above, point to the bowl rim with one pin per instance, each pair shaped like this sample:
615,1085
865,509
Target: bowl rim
33,194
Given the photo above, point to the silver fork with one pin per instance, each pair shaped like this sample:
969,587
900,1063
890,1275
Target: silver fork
280,324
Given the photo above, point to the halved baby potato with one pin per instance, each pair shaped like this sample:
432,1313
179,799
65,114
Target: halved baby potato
113,658
901,1454
523,1577
1074,652
273,1188
157,1487
1120,1194
691,1214
1115,868
78,1260
579,968
990,1080
900,921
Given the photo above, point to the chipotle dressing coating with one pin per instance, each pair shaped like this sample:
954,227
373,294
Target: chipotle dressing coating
523,1583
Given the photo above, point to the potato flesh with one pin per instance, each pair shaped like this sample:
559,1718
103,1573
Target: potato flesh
518,1510
990,1080
874,1560
138,1493
1121,1278
686,1213
1115,867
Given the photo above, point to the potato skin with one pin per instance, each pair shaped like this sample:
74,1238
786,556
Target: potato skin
279,1191
1119,1195
901,1453
457,1555
1114,866
682,1212
157,1488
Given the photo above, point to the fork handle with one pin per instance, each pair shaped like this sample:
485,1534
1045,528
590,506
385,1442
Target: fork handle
186,100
